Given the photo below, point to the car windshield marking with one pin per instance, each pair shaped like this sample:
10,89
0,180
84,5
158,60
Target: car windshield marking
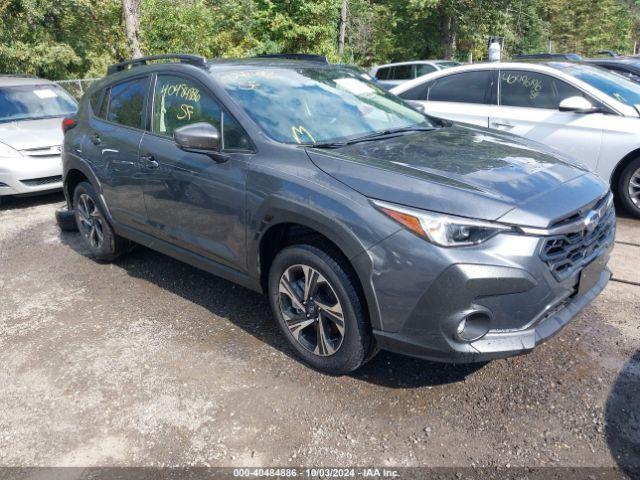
317,105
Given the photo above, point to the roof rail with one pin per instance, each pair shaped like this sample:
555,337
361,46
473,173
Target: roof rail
137,62
297,56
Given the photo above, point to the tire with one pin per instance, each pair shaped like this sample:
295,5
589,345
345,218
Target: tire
629,188
102,241
333,305
66,220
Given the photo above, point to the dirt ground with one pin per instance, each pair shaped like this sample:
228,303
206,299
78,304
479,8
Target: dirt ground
150,362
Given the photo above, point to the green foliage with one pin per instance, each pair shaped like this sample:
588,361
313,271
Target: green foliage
79,38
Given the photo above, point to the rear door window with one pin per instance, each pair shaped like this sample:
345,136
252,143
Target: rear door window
468,87
402,72
126,102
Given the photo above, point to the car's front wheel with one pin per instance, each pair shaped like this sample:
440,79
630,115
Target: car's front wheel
104,244
316,304
629,188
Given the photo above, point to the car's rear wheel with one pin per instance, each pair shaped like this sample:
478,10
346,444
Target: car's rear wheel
316,304
629,188
103,243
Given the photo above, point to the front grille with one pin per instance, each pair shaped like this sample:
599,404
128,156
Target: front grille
565,254
36,182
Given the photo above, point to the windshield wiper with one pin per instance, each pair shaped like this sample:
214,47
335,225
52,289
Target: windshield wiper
372,136
26,119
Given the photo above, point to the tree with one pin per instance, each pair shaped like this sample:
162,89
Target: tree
343,26
131,14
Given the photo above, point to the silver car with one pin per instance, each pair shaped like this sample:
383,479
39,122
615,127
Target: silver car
394,74
31,110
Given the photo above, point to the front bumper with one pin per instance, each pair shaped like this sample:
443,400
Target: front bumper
27,175
495,344
422,292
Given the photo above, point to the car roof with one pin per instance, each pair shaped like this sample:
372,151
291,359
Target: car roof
250,63
616,61
17,80
413,62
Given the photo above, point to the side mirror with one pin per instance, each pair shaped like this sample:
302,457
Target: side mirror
417,106
577,105
200,137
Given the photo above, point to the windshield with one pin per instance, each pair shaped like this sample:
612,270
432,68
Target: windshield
317,105
30,102
614,85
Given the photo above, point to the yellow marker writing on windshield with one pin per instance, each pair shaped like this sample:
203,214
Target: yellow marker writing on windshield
300,131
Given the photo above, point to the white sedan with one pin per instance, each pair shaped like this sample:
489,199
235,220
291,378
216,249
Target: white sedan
584,111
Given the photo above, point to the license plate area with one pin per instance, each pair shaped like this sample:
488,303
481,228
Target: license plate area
590,275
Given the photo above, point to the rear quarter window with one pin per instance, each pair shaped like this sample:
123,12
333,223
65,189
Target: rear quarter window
383,73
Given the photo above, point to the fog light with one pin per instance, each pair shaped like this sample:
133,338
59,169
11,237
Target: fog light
473,327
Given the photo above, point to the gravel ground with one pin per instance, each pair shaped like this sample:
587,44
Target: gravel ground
149,362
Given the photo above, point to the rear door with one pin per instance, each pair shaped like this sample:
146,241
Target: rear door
194,201
467,97
113,140
529,104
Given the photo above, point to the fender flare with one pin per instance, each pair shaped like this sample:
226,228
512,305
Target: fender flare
279,211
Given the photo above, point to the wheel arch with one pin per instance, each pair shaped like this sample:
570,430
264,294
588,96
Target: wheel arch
71,181
77,170
281,228
622,164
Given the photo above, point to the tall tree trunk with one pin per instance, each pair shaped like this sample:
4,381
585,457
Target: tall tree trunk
131,13
343,26
448,37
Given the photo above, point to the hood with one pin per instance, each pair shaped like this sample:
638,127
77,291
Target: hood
30,134
458,170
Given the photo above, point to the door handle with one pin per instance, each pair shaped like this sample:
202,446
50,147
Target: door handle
506,125
95,139
150,161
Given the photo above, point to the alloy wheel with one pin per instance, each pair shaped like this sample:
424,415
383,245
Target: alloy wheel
634,188
311,310
90,221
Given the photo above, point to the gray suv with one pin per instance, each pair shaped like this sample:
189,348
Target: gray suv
368,224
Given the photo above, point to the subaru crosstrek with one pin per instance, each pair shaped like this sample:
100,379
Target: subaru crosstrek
368,224
30,136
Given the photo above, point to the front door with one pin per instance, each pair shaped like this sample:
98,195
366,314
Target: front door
529,104
194,201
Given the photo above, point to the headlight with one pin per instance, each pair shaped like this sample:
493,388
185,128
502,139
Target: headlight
7,151
443,230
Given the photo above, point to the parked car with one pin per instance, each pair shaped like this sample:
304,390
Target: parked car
30,134
572,57
368,224
628,67
581,110
394,74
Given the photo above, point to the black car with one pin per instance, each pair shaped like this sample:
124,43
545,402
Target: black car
628,67
369,225
571,57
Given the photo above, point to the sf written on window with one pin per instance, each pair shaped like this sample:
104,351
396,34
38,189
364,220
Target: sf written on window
179,102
